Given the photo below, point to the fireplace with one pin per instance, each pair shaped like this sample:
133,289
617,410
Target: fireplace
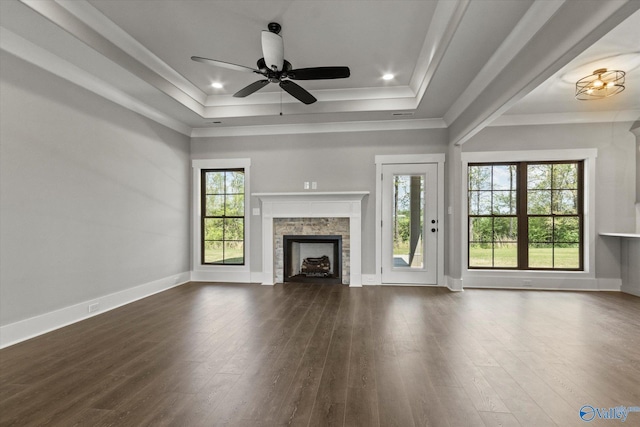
312,213
315,258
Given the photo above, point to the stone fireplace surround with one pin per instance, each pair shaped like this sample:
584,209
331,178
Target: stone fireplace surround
310,227
345,204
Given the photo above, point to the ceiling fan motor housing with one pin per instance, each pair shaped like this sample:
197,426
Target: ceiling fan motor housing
274,27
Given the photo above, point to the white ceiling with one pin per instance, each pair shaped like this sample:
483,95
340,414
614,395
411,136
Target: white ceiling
461,64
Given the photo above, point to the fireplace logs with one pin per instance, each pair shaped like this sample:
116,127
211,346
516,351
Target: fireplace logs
312,258
316,267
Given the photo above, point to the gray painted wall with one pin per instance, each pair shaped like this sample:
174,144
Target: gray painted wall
336,161
95,199
615,173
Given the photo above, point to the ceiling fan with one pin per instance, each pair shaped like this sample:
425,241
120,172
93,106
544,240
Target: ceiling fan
276,69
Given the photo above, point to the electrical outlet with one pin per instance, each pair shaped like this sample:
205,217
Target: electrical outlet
306,185
527,283
314,185
94,307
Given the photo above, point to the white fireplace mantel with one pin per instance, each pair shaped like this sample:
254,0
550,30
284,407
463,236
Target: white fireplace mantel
316,204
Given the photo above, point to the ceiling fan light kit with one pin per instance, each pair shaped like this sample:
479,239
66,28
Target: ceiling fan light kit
276,69
601,84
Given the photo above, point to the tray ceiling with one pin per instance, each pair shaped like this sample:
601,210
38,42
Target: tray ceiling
459,64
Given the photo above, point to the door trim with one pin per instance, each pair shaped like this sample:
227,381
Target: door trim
380,160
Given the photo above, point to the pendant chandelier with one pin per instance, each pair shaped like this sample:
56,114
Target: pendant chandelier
601,84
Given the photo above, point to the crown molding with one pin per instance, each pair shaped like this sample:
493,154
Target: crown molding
29,52
93,18
466,116
551,48
307,128
324,95
533,20
88,24
62,17
442,28
566,118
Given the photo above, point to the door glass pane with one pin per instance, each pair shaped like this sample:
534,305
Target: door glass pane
408,221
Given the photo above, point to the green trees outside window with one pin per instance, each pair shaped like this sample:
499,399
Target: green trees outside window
525,215
223,216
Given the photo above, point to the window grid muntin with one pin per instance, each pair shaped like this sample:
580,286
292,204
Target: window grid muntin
204,217
579,215
491,190
522,216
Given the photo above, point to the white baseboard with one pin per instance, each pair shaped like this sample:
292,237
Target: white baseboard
22,330
454,285
256,277
543,283
223,276
370,280
609,284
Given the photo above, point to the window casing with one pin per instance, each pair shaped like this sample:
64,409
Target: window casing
222,216
526,215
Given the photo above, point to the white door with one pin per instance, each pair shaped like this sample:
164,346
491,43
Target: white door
409,223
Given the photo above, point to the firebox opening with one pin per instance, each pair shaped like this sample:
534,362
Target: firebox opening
313,259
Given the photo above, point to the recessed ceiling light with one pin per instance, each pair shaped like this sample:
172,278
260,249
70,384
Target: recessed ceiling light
216,85
388,76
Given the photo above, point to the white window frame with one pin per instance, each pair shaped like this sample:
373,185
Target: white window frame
521,278
215,272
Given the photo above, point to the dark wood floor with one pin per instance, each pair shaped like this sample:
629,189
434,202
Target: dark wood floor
304,354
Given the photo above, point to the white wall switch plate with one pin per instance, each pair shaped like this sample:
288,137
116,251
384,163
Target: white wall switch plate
256,211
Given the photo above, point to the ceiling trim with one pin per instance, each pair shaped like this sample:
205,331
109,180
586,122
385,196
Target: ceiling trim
533,20
326,95
27,51
96,20
539,45
306,128
555,45
92,27
566,118
442,28
85,33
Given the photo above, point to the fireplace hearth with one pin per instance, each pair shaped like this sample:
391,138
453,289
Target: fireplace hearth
312,258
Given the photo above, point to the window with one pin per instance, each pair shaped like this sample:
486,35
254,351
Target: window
526,215
223,211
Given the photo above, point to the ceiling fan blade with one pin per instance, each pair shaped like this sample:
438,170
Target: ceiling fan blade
224,64
272,50
253,87
297,92
319,73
